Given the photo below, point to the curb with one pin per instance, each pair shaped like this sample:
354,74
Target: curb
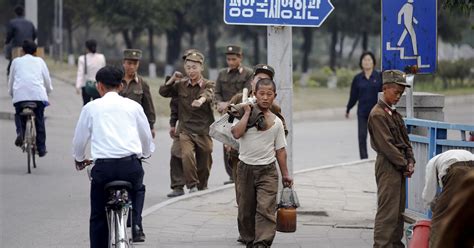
163,204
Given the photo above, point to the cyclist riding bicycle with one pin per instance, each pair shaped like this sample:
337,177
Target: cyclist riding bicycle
120,137
29,81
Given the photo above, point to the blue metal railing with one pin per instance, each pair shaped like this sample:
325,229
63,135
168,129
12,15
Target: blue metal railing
426,147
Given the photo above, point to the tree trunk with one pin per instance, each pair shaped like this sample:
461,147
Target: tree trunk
126,38
365,41
70,49
256,48
341,45
212,39
332,49
150,45
191,38
173,48
354,45
306,47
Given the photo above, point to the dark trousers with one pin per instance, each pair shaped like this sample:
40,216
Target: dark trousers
126,169
362,133
85,97
20,123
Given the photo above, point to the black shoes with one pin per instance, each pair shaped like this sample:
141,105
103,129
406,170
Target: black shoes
42,153
138,235
175,193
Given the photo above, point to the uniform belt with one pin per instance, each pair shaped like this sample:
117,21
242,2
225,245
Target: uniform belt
115,160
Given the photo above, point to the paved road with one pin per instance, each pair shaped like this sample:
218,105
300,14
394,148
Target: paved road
50,208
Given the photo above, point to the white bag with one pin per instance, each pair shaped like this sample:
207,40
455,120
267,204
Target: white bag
220,130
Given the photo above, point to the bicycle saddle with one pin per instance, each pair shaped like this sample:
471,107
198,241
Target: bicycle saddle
118,185
31,105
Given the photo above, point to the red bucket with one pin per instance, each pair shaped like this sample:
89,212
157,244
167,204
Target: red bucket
421,234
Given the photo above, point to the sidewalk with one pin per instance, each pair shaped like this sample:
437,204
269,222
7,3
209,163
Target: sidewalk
337,210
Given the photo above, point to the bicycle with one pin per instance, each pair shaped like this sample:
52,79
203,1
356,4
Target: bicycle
118,208
29,138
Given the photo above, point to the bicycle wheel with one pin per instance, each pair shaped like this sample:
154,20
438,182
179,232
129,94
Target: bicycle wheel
29,149
111,226
121,237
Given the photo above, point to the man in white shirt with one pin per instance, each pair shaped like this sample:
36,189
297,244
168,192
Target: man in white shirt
259,148
120,136
29,81
87,67
445,170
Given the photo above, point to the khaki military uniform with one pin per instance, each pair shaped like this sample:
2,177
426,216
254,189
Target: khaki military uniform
194,139
138,90
230,82
389,138
451,185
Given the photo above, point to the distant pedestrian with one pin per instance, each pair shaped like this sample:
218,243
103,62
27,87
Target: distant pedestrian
261,145
395,161
230,81
365,88
135,88
18,30
87,67
195,115
445,170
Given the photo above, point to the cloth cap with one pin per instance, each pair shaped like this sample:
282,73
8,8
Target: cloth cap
265,69
132,54
196,57
187,52
232,49
109,75
394,76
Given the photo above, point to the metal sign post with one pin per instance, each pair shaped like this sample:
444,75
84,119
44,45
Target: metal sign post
279,16
409,40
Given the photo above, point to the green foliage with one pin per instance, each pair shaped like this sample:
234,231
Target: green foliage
465,6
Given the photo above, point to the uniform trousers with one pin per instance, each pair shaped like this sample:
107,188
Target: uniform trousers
104,171
258,186
196,151
451,182
176,166
391,197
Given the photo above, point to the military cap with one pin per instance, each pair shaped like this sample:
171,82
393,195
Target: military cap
187,52
232,49
196,57
132,54
395,76
109,75
265,69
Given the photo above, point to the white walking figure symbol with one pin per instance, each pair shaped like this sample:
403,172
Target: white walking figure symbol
408,19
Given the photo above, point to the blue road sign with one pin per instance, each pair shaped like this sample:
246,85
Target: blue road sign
409,34
300,13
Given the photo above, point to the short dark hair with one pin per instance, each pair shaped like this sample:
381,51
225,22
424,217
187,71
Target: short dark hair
91,45
19,10
109,75
362,56
29,47
265,82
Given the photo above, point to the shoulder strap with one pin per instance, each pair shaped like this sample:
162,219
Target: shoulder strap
85,64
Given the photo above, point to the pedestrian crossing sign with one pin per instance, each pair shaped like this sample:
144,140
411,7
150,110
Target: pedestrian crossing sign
409,35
